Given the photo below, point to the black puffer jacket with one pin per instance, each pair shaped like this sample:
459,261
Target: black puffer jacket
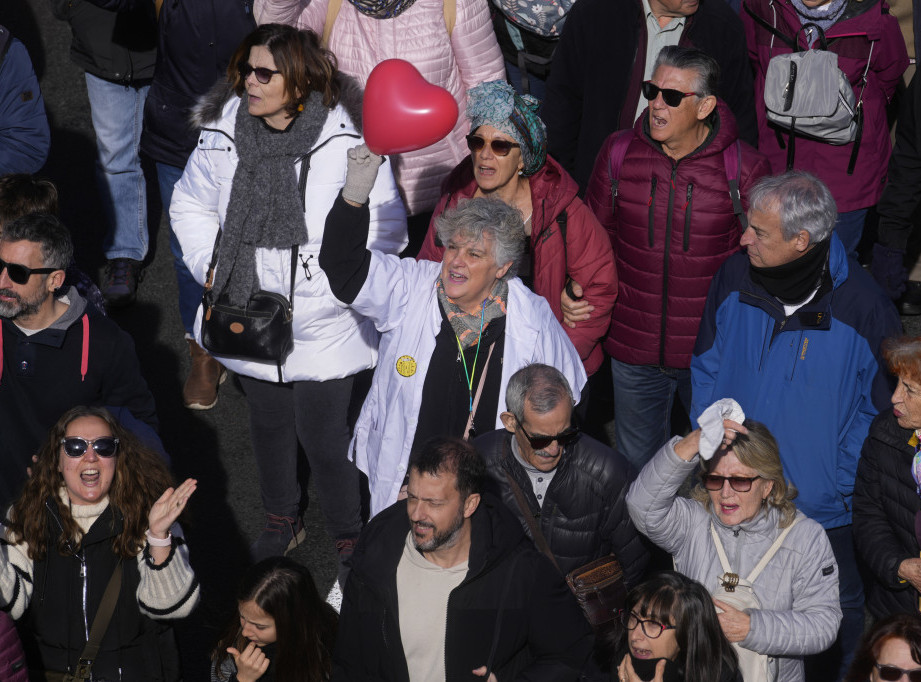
885,504
511,602
196,41
115,40
584,515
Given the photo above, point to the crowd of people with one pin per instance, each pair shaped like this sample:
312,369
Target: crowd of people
430,334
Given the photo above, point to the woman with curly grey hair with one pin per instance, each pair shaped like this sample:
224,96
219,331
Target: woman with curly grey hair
452,333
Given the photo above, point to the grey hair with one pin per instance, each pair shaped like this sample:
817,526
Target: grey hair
481,217
542,386
705,67
802,201
49,232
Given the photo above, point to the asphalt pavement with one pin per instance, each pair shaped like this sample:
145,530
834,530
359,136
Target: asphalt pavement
226,512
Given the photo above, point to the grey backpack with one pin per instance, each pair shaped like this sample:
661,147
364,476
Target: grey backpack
807,95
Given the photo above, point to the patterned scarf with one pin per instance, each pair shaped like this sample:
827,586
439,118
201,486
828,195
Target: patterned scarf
382,9
467,325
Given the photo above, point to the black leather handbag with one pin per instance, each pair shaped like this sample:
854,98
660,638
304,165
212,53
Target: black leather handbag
260,331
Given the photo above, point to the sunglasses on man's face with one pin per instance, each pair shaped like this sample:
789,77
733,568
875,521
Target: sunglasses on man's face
75,446
20,274
737,483
263,75
891,673
672,98
499,147
564,438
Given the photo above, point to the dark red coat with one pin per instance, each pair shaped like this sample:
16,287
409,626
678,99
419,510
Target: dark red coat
672,228
585,257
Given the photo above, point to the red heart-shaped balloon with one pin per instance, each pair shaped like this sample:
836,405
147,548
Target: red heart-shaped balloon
402,111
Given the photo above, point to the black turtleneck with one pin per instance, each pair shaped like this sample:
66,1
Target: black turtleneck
793,282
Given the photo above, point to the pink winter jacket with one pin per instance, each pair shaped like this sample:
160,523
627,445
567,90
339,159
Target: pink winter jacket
469,56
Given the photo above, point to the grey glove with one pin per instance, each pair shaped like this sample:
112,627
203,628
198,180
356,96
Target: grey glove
361,174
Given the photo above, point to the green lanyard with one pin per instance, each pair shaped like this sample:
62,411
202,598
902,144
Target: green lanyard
476,355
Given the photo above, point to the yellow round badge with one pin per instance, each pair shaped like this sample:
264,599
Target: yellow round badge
406,365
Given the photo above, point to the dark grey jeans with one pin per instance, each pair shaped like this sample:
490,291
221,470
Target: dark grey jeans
314,414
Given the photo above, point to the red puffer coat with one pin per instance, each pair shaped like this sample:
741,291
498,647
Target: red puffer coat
585,257
672,228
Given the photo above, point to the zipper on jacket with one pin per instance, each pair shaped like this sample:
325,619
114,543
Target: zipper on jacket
86,620
652,209
687,217
665,257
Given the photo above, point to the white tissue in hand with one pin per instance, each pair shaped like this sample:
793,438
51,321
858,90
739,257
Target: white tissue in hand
711,424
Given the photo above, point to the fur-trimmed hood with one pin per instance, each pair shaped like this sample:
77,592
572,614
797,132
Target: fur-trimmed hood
210,107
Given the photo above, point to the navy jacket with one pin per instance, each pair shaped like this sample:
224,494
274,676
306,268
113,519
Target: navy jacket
24,134
814,378
196,41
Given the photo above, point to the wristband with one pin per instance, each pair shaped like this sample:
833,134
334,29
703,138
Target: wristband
159,542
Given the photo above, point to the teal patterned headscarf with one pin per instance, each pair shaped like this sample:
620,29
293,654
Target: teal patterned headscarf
497,104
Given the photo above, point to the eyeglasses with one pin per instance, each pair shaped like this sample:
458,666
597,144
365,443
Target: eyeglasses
671,97
738,483
499,147
263,75
104,446
564,438
651,628
890,673
20,274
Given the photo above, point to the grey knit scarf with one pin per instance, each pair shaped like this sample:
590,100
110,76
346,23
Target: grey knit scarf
265,208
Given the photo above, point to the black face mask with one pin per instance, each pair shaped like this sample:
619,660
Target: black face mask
645,668
793,282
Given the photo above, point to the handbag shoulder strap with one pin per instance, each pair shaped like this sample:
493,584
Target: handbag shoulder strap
720,552
100,624
332,11
539,540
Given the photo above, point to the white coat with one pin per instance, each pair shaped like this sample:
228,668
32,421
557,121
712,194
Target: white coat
331,341
401,297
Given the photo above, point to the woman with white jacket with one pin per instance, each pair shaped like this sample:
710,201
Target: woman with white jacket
743,505
453,333
270,161
450,42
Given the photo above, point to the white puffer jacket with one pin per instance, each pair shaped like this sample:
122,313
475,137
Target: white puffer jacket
402,299
468,56
331,341
798,589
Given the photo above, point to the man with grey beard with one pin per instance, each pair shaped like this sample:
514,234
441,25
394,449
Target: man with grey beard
445,585
55,351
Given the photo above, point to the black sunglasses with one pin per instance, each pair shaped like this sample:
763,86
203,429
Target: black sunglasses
671,97
263,75
20,274
738,483
104,446
890,673
499,147
651,628
564,438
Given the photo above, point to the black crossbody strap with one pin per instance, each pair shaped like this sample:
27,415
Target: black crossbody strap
100,624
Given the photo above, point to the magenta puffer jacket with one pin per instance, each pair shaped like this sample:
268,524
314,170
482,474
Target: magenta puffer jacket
671,228
863,22
584,256
13,666
469,55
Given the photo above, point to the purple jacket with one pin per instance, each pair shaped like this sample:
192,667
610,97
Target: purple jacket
862,23
671,229
12,660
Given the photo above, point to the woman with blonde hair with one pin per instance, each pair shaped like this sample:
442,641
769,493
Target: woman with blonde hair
741,534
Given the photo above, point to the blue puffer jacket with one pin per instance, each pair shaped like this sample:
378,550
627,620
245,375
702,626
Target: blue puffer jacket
24,134
813,378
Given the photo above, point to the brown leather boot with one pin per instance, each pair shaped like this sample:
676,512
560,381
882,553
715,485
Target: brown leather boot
200,390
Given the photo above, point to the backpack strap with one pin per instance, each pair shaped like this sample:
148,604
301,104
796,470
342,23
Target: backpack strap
732,160
858,114
720,552
450,12
332,11
785,39
616,161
